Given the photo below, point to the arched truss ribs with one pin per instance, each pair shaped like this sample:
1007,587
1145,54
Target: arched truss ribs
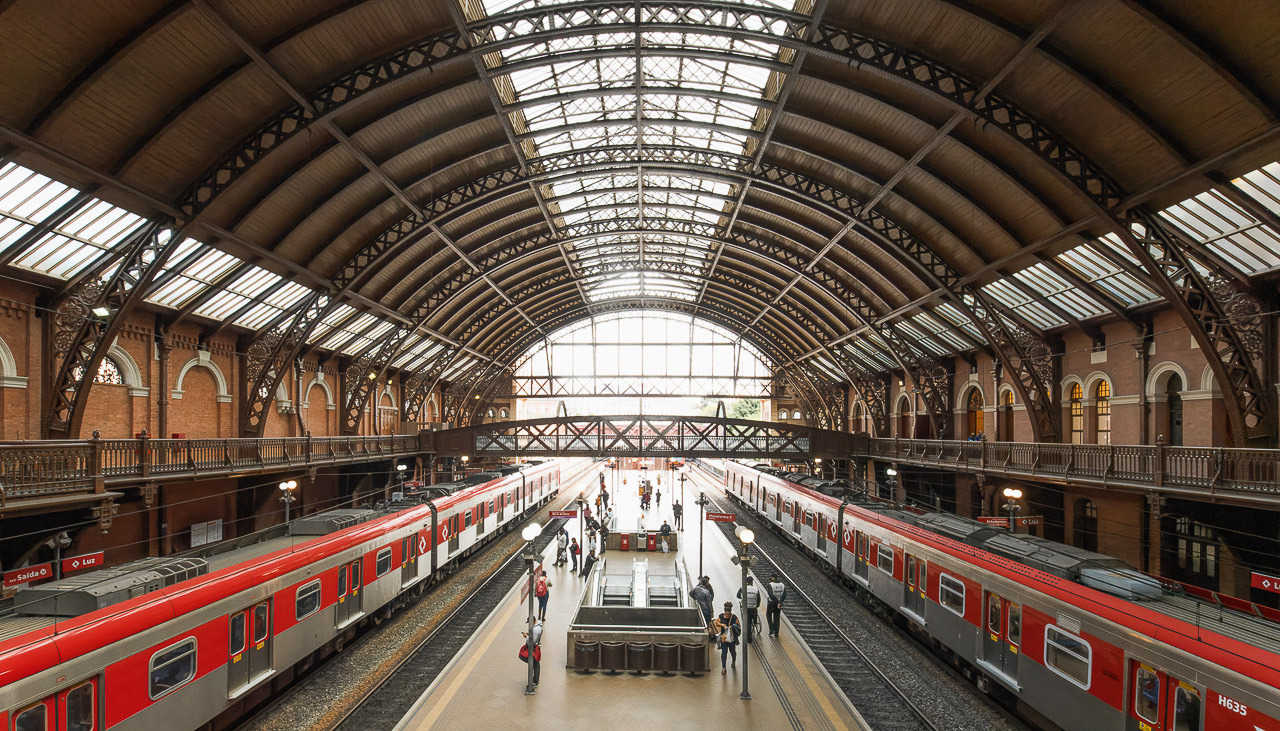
89,316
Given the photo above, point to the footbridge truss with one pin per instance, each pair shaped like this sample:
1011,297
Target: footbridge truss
641,436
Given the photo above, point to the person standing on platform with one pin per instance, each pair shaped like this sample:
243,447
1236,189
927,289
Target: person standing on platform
599,504
665,530
658,497
604,537
729,629
677,510
605,495
574,551
562,548
751,604
773,612
591,540
703,595
537,651
542,590
588,562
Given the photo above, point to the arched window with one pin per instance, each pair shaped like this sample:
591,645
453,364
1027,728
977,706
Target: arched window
904,418
1077,414
1006,416
505,414
1102,406
859,416
1173,401
489,413
108,372
782,415
1086,524
973,413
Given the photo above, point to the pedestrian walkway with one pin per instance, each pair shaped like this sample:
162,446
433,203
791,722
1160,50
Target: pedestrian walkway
484,685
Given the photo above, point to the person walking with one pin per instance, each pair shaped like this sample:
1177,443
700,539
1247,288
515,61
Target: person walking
535,656
588,562
574,551
658,497
773,611
677,511
562,548
542,590
751,604
728,629
704,596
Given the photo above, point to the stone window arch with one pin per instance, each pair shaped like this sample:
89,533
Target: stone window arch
974,420
1102,412
1006,415
782,415
1075,401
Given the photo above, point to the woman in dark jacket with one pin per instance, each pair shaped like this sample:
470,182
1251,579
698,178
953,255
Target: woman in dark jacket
728,628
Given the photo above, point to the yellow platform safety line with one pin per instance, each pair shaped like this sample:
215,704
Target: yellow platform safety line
815,689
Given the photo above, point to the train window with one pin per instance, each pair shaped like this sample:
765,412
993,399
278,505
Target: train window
993,614
80,708
307,600
1146,694
1186,709
383,564
951,594
261,622
236,642
884,559
1067,655
1015,624
172,667
342,581
32,719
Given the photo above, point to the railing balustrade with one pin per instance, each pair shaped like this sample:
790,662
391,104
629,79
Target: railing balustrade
1211,469
47,468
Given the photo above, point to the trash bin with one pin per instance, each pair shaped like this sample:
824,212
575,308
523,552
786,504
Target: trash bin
642,542
651,542
693,657
666,657
586,655
613,656
624,541
640,656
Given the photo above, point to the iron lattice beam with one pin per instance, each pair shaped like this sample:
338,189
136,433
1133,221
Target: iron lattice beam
79,336
646,436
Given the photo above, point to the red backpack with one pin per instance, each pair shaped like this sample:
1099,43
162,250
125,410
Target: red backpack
541,590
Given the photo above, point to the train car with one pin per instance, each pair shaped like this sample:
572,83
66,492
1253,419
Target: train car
1080,638
197,638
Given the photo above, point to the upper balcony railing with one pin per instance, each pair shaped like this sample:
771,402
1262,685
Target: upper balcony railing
1239,473
51,469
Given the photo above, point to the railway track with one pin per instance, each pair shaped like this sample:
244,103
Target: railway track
391,698
880,701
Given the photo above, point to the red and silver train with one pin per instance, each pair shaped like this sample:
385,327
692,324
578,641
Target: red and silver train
1079,638
177,642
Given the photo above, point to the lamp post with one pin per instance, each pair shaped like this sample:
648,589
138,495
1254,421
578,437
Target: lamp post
817,465
465,460
703,502
59,543
530,532
747,536
582,521
682,486
1012,495
893,482
286,496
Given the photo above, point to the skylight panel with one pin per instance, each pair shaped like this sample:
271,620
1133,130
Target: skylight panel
343,334
1062,293
934,326
1034,312
289,294
79,240
918,336
955,317
339,314
1228,230
1087,262
1262,185
27,198
195,278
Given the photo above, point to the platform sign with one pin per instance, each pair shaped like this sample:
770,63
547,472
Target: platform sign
82,562
562,514
17,577
722,517
994,521
1265,582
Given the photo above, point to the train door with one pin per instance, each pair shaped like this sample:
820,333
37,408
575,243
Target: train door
1161,702
260,641
777,507
860,563
1002,642
820,525
78,707
237,644
913,588
796,513
347,607
408,560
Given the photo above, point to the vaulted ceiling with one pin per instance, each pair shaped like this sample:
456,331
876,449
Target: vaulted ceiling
854,186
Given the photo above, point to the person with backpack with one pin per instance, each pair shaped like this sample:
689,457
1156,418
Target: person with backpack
728,629
704,596
541,589
574,551
773,612
751,604
562,548
534,656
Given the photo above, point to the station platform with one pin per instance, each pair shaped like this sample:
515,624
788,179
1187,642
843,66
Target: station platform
483,687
